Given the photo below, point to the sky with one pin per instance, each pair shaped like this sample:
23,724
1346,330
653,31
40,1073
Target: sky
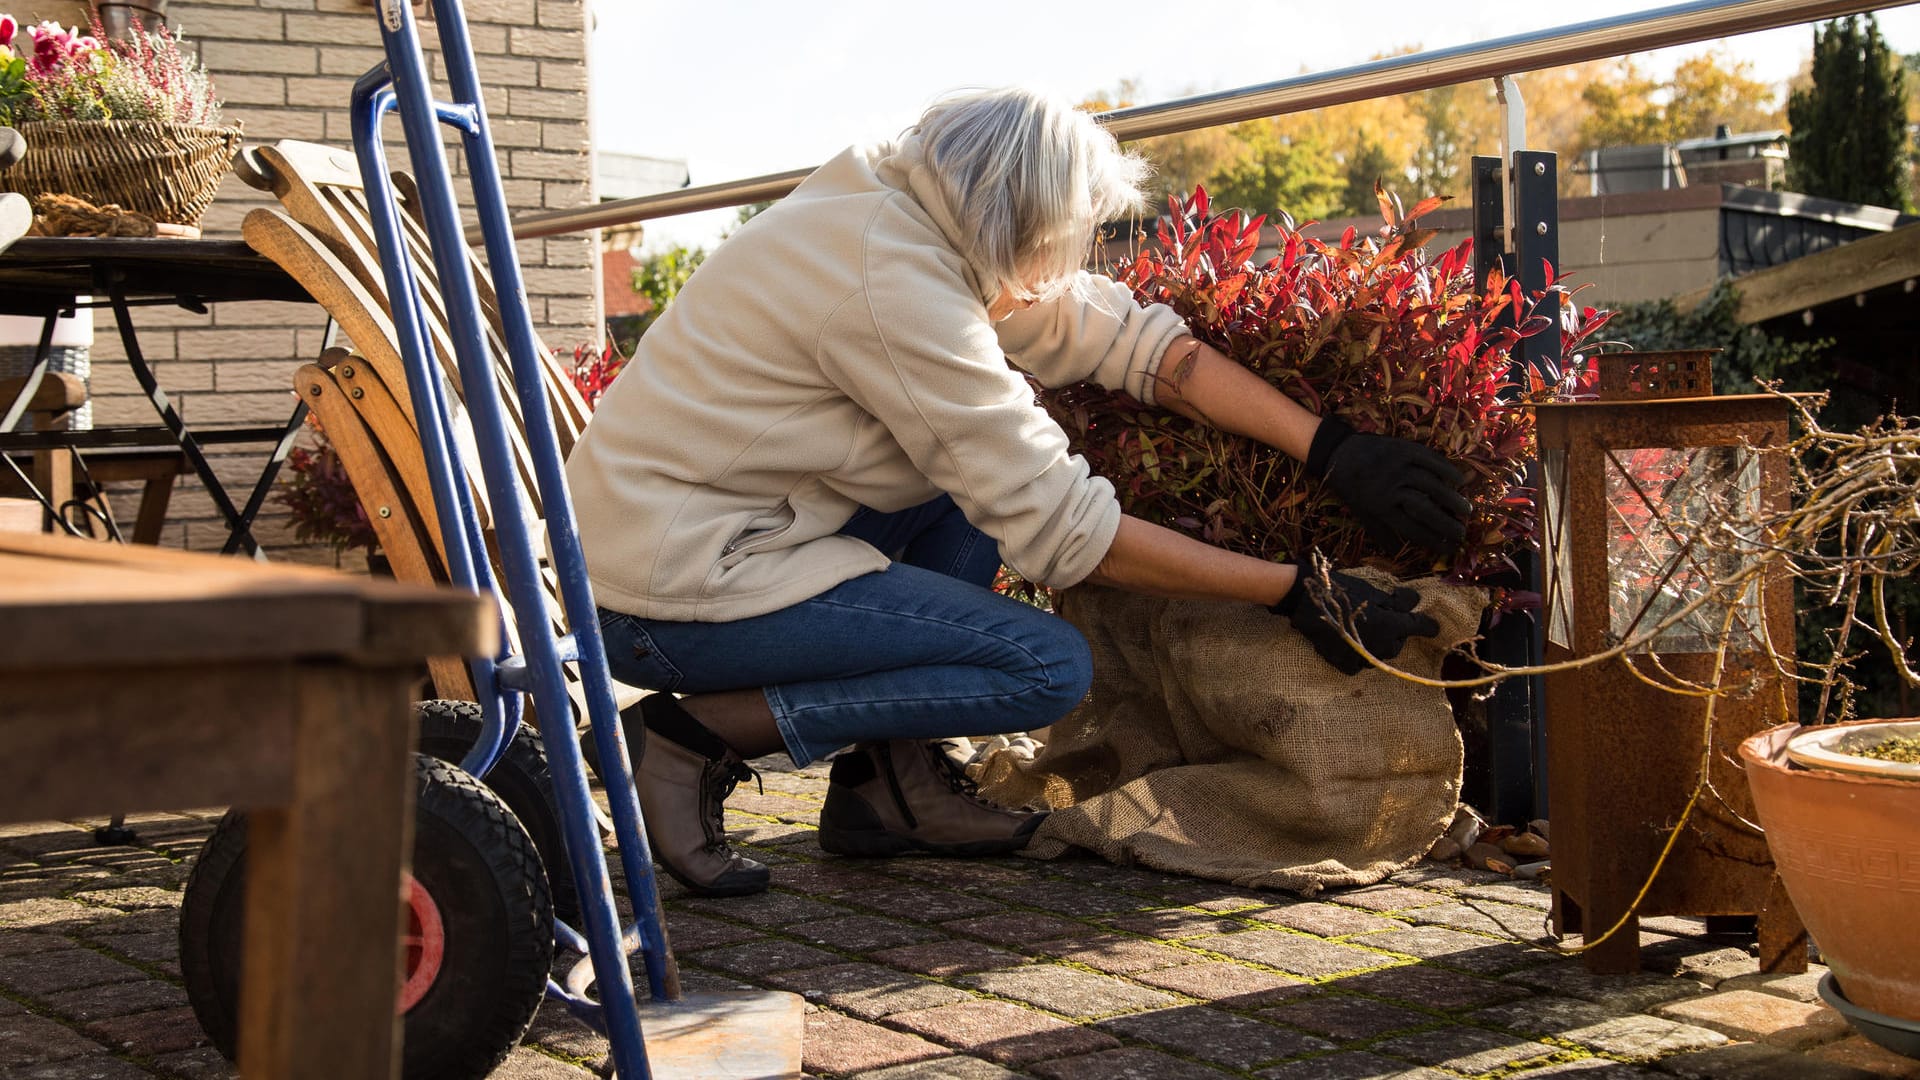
741,88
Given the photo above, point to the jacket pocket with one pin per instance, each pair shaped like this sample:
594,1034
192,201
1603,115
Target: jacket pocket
763,533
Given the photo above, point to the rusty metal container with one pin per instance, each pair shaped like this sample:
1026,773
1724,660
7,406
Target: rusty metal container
1623,755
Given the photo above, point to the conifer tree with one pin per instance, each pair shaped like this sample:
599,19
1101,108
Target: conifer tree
1849,137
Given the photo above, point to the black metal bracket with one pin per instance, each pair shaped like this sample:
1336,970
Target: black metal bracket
1516,775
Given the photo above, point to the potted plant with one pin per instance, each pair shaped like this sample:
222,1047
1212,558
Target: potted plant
1215,741
1841,804
320,498
132,122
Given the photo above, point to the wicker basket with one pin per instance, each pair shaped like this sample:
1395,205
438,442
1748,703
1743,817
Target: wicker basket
168,172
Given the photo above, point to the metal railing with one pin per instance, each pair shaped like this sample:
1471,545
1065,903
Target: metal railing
1679,24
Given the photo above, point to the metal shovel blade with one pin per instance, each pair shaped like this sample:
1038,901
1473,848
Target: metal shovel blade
725,1035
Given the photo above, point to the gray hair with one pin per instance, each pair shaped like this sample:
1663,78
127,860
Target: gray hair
1029,179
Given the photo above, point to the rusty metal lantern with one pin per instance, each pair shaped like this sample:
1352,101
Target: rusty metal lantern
1624,756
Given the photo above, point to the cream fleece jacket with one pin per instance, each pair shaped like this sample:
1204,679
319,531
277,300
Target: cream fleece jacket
836,352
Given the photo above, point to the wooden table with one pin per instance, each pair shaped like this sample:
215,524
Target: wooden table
44,276
136,678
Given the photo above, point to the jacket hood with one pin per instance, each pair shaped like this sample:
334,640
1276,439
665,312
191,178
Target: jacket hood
903,166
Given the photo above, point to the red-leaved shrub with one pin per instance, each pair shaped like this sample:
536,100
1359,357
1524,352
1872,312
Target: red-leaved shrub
1369,329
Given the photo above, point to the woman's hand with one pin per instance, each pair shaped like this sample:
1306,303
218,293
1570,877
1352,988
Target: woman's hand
1381,621
1401,492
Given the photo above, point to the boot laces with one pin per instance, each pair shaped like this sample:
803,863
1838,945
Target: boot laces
722,777
955,776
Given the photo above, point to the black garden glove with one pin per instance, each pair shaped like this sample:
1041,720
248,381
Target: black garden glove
1402,492
1383,622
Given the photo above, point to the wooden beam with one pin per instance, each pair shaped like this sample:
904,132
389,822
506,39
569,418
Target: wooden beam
1823,277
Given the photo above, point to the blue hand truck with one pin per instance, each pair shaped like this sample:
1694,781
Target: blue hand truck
707,1035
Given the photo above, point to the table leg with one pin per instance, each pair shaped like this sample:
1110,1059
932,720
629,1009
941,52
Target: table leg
321,971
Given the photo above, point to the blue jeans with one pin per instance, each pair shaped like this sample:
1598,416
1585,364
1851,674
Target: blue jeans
921,650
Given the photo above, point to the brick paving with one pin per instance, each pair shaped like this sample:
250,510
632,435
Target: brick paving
915,969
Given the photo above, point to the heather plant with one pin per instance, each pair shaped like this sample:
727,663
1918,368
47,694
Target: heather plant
52,72
1368,329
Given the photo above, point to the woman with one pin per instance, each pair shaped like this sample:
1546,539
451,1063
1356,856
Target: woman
794,499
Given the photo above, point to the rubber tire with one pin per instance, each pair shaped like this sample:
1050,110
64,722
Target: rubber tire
448,729
474,858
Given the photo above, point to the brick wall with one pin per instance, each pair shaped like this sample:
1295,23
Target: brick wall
285,69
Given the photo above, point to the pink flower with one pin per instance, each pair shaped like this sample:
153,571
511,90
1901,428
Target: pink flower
7,29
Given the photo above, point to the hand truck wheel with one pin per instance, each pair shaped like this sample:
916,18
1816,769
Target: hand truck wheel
479,931
448,729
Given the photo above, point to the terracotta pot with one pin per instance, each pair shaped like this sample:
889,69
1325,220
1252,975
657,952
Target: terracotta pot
1848,849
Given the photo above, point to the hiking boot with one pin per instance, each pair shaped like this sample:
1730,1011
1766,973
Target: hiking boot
684,774
901,796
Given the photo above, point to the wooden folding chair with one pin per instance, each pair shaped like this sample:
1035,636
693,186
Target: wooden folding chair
322,236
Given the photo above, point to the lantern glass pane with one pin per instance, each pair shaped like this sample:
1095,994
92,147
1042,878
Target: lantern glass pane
1661,504
1558,579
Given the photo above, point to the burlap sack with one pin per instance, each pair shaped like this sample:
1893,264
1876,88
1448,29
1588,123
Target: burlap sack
1217,743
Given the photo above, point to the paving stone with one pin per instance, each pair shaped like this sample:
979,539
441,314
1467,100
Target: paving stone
746,830
1755,1061
99,1067
1629,993
1067,991
948,957
841,1045
1386,897
1221,900
160,948
1768,1018
556,1030
1589,1069
775,805
1326,920
146,1034
760,957
204,1063
1065,897
960,874
868,991
1115,955
51,915
772,909
860,933
945,1068
926,903
1702,959
1800,986
1350,1066
1512,892
1467,1050
35,974
136,922
1019,928
1295,954
26,1039
1858,1053
1443,876
116,999
1003,1033
1630,1035
17,943
1226,983
1196,1031
1347,1018
1509,921
1173,924
1129,1063
525,1063
689,933
1452,948
1430,987
133,897
830,878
